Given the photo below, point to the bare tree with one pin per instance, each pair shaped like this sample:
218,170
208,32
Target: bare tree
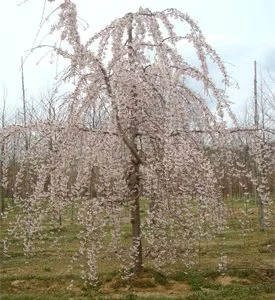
263,159
2,150
258,144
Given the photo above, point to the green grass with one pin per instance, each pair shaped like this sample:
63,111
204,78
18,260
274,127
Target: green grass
48,275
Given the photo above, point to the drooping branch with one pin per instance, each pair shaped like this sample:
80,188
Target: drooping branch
124,136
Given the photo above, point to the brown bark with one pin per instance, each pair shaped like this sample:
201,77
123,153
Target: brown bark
134,188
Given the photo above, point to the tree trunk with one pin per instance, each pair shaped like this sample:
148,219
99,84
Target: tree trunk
2,199
134,167
134,188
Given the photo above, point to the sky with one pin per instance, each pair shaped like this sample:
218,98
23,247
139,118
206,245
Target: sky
241,31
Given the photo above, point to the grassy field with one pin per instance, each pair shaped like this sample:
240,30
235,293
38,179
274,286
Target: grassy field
49,275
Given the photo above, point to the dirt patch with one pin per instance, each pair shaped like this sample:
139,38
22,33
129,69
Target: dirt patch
227,280
180,286
17,283
29,284
172,288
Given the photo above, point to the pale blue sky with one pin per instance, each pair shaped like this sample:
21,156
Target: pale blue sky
241,31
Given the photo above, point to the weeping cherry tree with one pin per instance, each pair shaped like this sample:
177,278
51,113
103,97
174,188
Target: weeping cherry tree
134,131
